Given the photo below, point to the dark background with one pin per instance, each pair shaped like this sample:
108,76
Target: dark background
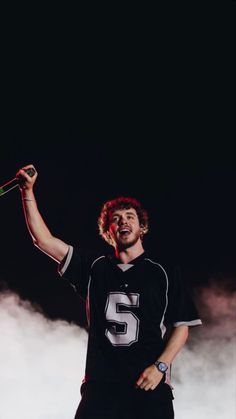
140,103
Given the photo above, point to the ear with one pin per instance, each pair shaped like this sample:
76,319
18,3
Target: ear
143,230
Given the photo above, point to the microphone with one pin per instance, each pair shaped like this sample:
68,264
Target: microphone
15,182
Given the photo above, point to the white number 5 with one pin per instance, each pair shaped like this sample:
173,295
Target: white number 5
128,330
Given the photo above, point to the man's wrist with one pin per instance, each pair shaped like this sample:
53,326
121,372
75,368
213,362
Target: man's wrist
27,196
161,366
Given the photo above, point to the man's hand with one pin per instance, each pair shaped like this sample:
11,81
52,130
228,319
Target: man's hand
27,180
150,378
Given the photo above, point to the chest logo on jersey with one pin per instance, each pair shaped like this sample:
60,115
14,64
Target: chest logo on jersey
123,324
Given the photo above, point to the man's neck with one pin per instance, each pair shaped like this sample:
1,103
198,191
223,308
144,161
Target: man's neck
127,255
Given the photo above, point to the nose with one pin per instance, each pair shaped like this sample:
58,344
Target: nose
122,220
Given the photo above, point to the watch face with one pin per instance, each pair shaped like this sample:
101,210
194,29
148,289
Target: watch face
162,366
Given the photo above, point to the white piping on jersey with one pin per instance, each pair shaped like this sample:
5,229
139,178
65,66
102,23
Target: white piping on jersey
62,269
188,323
162,326
88,300
100,257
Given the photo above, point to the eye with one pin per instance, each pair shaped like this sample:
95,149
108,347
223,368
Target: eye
114,219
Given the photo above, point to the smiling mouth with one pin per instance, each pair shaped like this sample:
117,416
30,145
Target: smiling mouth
124,232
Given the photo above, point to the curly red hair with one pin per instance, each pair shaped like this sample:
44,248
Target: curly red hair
121,203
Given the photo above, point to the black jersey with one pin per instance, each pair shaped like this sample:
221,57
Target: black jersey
130,307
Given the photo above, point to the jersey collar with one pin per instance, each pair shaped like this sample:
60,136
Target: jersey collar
117,261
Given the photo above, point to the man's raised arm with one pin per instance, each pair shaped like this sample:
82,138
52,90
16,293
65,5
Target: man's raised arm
41,235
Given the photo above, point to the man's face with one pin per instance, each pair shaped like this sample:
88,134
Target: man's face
124,227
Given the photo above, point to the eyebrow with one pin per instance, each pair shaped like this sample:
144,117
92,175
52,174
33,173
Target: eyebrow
127,213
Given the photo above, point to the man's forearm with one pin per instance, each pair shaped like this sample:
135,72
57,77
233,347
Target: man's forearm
41,235
175,343
35,223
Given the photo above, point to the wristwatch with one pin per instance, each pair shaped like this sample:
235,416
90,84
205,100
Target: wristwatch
161,366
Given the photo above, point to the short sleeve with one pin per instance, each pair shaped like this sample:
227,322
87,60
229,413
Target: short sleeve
181,307
75,268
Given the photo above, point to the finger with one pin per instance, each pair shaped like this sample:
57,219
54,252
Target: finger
149,386
139,382
30,170
144,384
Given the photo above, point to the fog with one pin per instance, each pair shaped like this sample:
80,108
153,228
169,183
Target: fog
42,362
204,373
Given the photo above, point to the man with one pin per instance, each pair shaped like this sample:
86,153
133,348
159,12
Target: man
133,304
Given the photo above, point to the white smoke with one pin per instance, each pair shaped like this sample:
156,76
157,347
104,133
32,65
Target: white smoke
42,362
204,372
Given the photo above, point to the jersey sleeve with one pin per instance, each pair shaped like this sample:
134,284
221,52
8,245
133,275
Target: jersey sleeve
181,307
75,268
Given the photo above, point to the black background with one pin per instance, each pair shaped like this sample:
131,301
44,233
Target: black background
109,102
